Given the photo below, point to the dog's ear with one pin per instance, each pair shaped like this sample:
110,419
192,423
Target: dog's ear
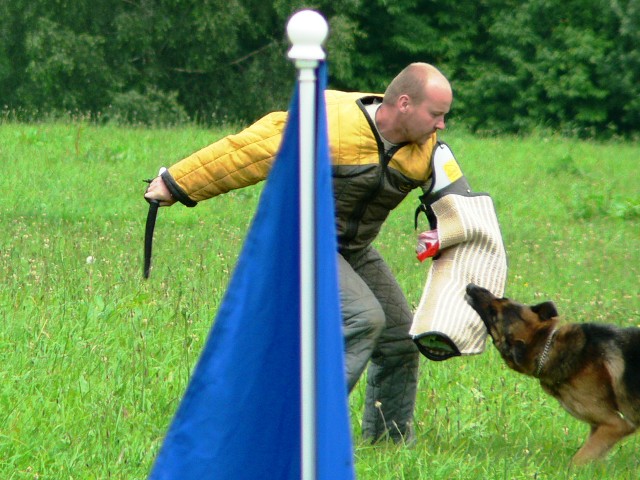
545,310
519,353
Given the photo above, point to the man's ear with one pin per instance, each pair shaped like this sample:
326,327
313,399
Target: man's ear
403,102
545,310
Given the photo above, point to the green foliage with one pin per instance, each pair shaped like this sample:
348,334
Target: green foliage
515,66
153,108
624,67
602,202
66,71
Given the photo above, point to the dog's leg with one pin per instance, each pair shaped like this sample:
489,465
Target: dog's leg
602,438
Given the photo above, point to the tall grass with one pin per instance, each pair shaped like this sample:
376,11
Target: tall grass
95,359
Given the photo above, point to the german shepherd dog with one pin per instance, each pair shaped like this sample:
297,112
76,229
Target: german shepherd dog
593,370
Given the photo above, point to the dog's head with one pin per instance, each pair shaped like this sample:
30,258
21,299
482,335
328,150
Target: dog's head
519,332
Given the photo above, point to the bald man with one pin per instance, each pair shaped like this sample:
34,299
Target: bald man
381,148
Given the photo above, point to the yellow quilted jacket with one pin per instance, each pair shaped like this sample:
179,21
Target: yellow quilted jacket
368,183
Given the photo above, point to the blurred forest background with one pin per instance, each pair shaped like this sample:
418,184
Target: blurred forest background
570,66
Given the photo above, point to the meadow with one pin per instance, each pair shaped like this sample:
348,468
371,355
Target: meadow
95,359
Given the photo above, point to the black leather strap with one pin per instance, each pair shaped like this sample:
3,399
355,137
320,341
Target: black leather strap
148,235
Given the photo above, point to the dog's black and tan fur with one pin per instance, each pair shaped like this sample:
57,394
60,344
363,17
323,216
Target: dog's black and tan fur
592,369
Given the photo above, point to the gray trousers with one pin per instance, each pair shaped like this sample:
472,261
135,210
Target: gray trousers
376,322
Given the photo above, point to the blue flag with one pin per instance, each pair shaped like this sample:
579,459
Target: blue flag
240,417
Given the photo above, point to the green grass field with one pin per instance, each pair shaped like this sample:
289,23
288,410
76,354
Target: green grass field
95,359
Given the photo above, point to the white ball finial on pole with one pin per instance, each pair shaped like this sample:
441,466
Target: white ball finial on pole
307,30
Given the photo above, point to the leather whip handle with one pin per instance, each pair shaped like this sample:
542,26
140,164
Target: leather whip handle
148,235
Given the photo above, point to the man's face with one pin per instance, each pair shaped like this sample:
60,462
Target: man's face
423,119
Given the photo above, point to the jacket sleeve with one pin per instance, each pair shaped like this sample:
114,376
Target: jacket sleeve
234,161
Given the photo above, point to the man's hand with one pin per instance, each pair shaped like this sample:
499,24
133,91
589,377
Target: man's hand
157,190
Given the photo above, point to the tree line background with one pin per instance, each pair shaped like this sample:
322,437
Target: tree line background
572,66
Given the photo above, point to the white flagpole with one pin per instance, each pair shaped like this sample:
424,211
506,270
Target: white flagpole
307,31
